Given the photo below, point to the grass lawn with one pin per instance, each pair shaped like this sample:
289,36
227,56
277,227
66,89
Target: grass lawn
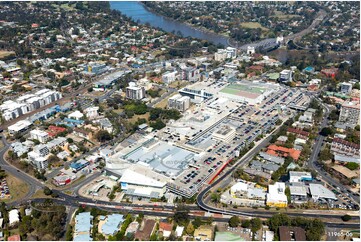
177,84
4,53
118,111
18,188
135,117
253,25
281,15
40,194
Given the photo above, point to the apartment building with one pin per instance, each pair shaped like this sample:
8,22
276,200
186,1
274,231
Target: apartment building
179,102
350,112
135,92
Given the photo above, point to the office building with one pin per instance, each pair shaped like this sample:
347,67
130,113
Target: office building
250,50
231,52
83,227
19,127
190,74
93,68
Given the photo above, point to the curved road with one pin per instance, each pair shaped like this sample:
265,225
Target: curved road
74,201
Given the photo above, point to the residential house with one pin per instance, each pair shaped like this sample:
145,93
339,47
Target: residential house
146,230
204,233
292,233
165,229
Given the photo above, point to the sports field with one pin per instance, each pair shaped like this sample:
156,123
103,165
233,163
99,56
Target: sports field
238,89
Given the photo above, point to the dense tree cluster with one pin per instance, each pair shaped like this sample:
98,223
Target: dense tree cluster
314,228
44,225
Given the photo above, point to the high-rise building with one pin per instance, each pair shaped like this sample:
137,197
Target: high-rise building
179,102
134,92
350,112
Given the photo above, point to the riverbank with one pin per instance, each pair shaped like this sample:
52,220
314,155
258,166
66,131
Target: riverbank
140,12
198,28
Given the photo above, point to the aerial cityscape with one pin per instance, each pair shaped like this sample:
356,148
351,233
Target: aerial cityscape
180,121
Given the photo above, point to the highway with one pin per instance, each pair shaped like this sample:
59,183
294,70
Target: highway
168,211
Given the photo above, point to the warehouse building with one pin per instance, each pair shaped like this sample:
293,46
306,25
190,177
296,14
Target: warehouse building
138,185
298,193
318,191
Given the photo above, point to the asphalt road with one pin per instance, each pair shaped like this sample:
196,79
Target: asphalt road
33,183
314,156
74,201
258,213
159,213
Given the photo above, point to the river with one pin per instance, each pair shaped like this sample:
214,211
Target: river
137,11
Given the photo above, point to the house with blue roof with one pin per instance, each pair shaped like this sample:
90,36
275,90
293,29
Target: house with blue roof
309,69
83,226
74,121
78,165
112,224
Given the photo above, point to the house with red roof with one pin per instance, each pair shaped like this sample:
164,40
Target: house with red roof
298,132
14,237
330,72
165,228
283,152
55,130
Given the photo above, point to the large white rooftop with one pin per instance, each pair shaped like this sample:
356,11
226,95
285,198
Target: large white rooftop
319,191
136,178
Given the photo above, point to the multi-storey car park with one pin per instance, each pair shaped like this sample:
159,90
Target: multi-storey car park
191,151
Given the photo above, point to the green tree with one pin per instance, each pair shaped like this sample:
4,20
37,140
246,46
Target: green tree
215,197
158,124
256,224
288,194
327,131
234,221
103,135
352,166
245,223
47,191
190,229
346,217
181,215
197,222
278,220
